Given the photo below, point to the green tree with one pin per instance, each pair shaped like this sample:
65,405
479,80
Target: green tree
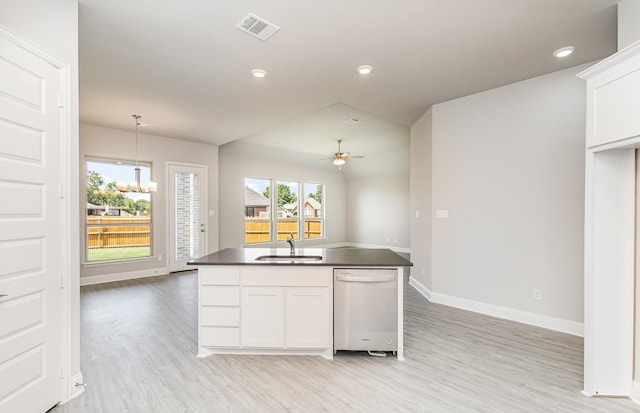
318,195
285,196
100,194
141,207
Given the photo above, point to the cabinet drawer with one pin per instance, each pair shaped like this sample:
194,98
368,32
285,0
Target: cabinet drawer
220,316
219,336
216,295
214,275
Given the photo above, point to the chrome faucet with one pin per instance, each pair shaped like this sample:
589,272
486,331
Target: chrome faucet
292,244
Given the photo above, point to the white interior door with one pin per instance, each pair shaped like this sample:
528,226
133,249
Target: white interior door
31,216
187,206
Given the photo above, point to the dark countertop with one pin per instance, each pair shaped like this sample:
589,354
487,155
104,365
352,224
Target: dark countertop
331,257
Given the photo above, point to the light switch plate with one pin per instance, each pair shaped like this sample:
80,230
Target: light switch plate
442,213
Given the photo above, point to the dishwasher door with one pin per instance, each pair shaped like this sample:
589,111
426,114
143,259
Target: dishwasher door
365,308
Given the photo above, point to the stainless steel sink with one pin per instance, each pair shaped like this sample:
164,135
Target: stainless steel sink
289,258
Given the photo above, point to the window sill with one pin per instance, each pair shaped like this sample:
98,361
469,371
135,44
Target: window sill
125,261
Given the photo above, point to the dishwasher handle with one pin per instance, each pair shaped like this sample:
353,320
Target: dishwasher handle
366,278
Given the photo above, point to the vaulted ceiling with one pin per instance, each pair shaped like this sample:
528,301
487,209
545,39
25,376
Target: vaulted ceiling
186,68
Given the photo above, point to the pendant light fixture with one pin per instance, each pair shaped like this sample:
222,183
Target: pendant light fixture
135,185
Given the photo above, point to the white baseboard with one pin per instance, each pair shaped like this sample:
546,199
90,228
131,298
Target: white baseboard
121,276
538,320
420,288
331,245
374,246
635,392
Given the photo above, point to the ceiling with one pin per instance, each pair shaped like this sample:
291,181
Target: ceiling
186,68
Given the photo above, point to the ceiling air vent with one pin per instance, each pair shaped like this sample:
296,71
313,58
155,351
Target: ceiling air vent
257,26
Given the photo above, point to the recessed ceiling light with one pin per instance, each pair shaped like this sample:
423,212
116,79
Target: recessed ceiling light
365,69
564,52
259,73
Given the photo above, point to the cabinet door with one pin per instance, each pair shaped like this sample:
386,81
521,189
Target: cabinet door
308,317
262,317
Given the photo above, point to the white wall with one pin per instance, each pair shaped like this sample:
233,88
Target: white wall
52,25
628,26
239,161
508,166
420,199
100,142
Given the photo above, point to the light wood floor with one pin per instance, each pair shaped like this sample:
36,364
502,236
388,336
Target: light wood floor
139,344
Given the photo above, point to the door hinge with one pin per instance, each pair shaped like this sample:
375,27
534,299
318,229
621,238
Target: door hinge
61,101
62,372
61,282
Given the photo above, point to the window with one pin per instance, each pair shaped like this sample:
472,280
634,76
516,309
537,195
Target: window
313,210
257,207
287,198
287,204
118,222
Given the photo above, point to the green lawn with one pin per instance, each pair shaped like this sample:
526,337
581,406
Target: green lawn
106,254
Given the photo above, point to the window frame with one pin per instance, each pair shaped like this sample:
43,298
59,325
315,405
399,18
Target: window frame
130,164
301,219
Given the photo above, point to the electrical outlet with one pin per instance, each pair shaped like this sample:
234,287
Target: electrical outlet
537,294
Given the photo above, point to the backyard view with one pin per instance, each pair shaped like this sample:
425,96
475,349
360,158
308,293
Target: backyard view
258,218
118,223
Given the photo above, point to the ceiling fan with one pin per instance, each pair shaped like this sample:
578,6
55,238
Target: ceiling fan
340,158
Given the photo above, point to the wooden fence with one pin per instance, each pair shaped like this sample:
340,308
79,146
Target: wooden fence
260,230
113,232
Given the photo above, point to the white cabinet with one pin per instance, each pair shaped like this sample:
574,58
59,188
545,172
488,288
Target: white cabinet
308,317
262,318
286,307
265,310
285,317
613,133
613,97
218,307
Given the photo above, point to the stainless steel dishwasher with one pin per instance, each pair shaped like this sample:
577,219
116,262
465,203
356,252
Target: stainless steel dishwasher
365,309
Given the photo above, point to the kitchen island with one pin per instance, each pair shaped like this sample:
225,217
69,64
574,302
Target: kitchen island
269,301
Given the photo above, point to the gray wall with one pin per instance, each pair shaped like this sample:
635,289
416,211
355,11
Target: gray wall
378,209
628,18
100,142
508,166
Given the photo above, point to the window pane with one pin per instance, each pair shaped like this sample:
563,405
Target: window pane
118,223
287,210
257,210
187,193
313,210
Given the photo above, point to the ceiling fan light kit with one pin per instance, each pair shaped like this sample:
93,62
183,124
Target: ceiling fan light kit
340,158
